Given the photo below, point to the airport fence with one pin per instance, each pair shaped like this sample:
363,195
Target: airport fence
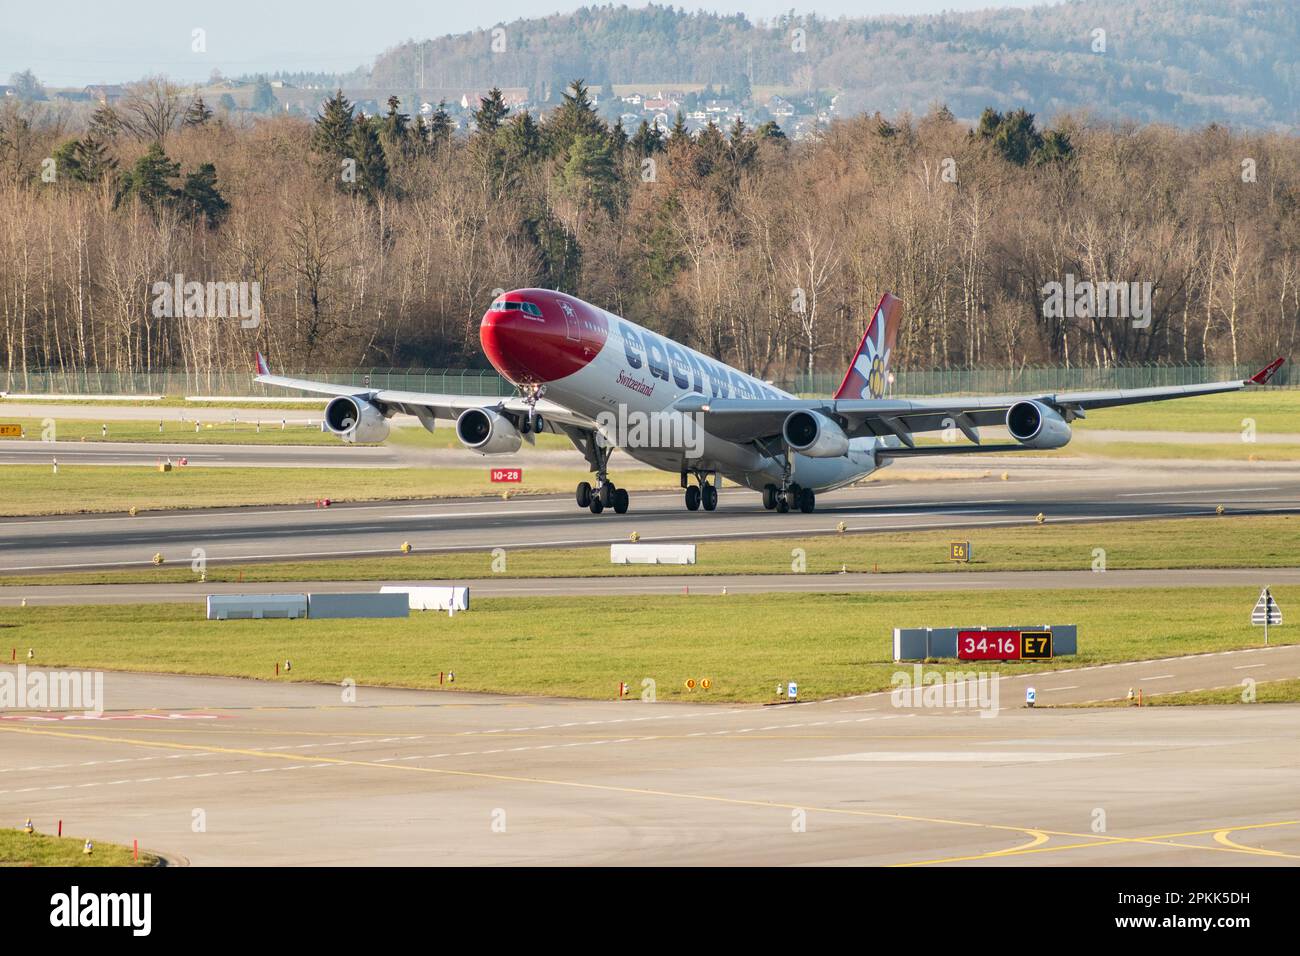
239,383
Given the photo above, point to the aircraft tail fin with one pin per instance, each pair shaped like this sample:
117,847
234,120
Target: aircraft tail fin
867,374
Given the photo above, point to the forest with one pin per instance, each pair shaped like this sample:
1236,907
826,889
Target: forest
379,240
1182,62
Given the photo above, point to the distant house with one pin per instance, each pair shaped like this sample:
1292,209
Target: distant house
719,106
660,102
8,90
110,93
633,100
630,120
778,106
105,93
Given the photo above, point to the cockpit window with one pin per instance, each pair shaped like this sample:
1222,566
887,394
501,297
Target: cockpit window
527,308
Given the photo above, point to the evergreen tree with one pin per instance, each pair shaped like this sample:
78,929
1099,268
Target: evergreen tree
521,140
201,198
743,147
771,130
227,103
105,124
396,130
1056,148
368,151
438,131
618,138
678,133
150,180
491,112
575,116
590,174
196,114
647,140
333,129
83,160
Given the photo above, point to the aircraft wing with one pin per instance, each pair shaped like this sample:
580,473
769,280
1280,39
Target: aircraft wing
430,406
761,420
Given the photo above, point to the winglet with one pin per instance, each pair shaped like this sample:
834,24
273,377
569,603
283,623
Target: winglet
262,367
1263,375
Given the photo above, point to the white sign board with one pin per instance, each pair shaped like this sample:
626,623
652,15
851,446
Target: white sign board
432,598
792,691
652,554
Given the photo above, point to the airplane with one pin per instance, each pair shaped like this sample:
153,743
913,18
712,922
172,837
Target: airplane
594,377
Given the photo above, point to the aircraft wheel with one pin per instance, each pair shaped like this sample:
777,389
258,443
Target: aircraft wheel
692,498
620,501
782,504
769,497
584,494
807,501
709,497
606,494
596,505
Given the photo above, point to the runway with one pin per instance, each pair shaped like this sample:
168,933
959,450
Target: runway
1065,491
634,581
234,772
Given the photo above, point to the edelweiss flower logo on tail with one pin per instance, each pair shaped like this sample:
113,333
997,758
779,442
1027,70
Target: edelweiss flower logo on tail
867,373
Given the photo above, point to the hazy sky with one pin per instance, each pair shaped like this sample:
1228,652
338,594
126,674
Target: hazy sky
87,41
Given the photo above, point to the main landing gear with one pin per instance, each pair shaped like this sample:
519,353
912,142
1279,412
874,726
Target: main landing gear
788,496
774,499
703,492
604,494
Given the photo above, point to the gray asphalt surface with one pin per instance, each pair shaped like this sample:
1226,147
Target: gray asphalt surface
1064,491
291,774
633,583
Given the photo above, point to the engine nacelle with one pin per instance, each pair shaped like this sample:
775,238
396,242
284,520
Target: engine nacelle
487,432
1037,426
813,434
355,419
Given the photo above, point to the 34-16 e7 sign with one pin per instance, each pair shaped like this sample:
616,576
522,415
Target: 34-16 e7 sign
1004,645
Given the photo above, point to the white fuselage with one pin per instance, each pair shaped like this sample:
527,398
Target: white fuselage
640,375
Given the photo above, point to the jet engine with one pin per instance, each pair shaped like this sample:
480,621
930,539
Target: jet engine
487,432
1035,425
355,420
815,435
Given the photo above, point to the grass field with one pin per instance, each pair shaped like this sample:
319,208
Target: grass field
36,490
1247,541
301,427
244,432
1275,411
1191,451
18,848
1265,692
832,644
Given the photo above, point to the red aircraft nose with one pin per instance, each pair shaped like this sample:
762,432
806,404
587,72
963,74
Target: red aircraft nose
533,336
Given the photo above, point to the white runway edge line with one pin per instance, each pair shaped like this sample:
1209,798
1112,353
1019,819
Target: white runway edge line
596,542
